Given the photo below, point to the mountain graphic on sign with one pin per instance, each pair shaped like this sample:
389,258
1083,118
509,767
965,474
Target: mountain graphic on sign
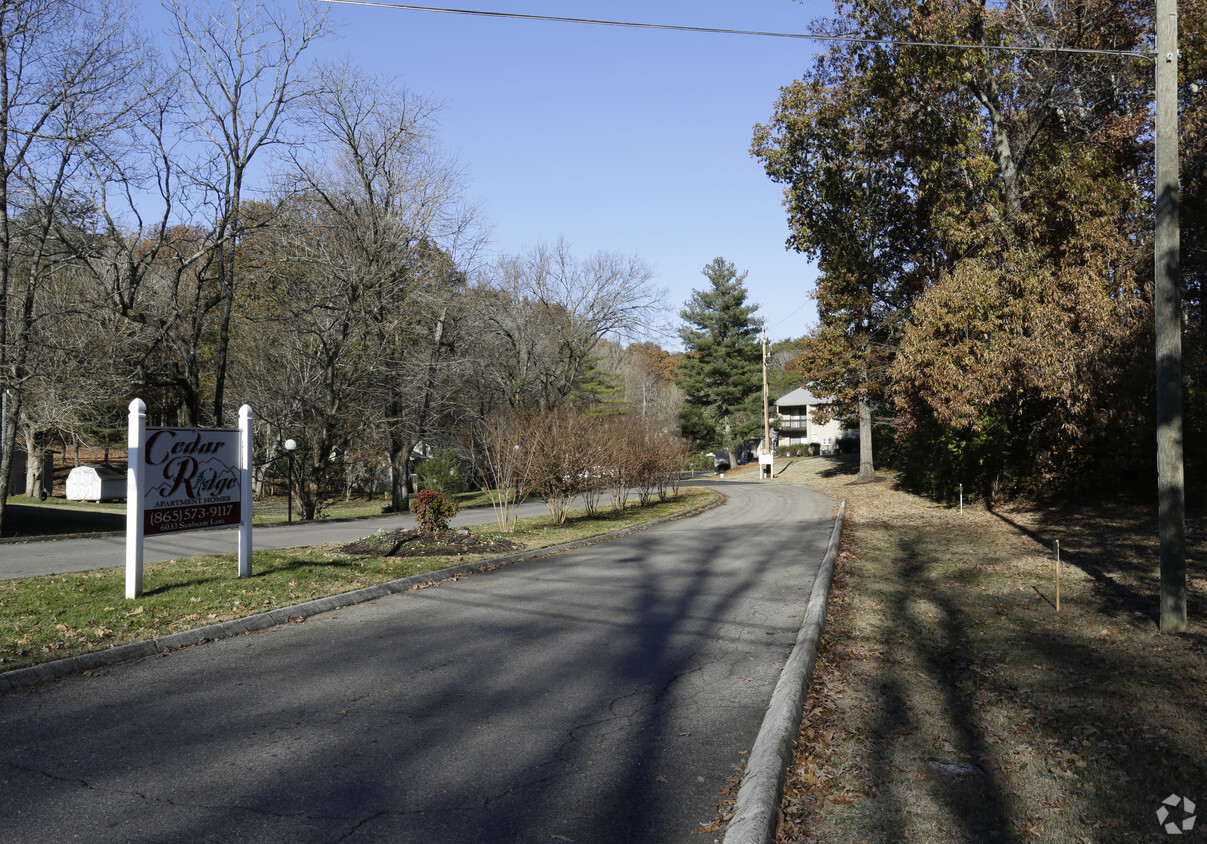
211,472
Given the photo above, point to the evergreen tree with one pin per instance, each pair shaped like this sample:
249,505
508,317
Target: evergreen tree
720,372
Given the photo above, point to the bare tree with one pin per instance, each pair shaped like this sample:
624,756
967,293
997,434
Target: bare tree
357,274
303,355
70,370
645,374
552,310
239,63
382,178
501,447
561,463
66,75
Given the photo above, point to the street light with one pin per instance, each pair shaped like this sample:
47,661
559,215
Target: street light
290,445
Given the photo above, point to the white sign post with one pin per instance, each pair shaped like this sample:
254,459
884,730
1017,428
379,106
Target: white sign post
186,479
245,490
135,481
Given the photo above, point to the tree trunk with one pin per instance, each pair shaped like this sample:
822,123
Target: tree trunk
34,458
7,440
400,468
987,92
220,357
867,468
227,232
8,428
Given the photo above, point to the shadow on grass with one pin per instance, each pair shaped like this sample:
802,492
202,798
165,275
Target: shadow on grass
1118,547
300,564
25,520
840,466
225,571
978,805
1096,737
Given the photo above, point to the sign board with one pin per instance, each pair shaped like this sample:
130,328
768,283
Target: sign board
182,479
191,479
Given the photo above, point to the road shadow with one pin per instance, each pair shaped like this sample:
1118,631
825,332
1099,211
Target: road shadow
584,697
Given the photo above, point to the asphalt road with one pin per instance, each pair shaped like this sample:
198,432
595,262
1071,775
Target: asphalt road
37,557
601,695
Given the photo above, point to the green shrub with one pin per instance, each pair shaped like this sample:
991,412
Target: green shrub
432,510
699,463
442,472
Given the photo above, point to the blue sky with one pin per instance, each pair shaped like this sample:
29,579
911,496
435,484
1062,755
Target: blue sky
632,141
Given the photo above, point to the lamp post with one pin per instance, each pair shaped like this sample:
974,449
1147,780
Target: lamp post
290,446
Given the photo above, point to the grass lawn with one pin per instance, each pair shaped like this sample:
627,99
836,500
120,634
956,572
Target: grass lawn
953,702
47,618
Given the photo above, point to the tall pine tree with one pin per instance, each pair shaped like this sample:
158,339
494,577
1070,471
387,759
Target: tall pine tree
720,372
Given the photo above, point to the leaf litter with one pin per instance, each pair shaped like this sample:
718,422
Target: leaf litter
952,702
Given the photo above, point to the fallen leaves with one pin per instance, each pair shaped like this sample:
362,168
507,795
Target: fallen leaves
961,716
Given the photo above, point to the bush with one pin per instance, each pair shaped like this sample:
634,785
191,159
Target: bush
699,462
432,510
442,472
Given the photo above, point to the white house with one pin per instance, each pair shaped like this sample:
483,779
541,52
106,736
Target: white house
797,426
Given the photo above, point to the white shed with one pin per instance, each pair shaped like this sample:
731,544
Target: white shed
98,482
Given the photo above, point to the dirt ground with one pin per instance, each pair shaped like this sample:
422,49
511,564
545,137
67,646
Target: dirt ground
954,702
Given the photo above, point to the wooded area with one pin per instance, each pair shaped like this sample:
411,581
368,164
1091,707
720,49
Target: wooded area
228,221
983,222
349,302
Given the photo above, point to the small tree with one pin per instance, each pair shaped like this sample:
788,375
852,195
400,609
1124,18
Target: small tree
442,472
560,464
501,449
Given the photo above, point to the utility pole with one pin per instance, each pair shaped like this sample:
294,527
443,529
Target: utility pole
766,399
767,459
1168,320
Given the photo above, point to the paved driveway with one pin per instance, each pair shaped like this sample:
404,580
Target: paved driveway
602,695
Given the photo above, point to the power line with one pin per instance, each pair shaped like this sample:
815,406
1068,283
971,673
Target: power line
850,39
806,36
794,313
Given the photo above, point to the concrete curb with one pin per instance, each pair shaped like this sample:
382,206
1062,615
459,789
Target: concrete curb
754,817
23,678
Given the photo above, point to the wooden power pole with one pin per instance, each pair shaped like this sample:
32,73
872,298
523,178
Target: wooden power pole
767,458
1168,316
766,400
